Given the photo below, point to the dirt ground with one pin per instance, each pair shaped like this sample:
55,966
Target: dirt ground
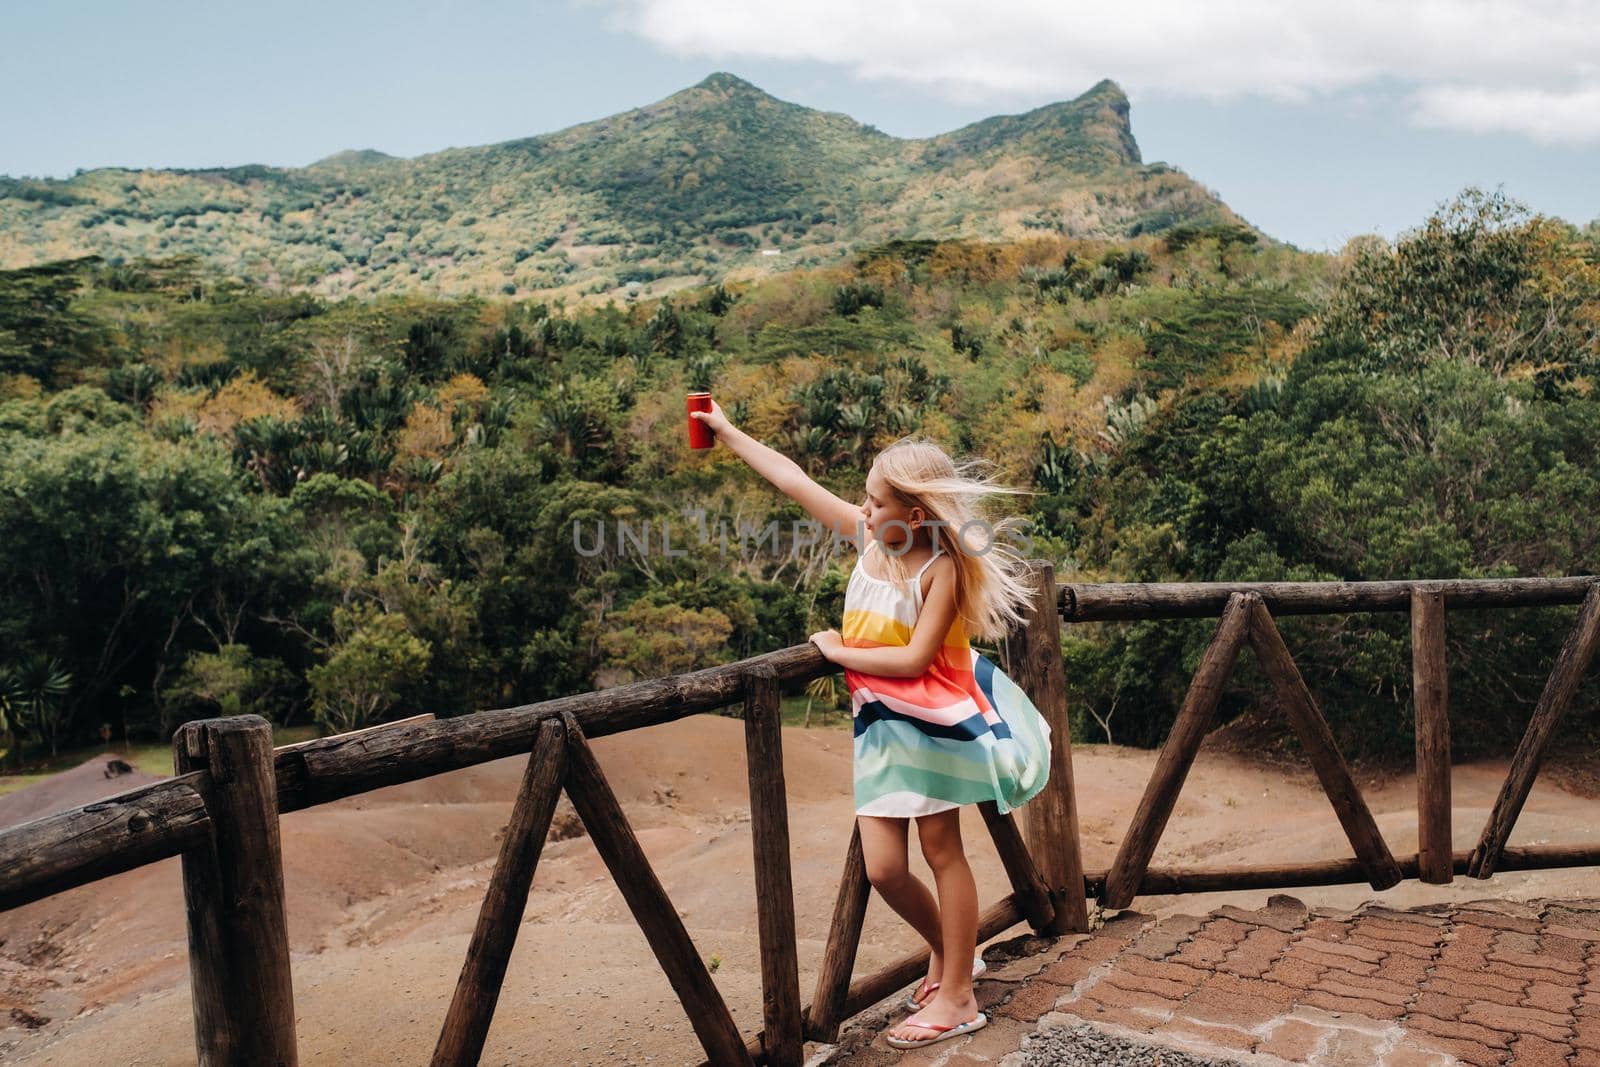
383,891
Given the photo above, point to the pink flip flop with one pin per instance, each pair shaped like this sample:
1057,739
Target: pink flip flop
914,1001
944,1033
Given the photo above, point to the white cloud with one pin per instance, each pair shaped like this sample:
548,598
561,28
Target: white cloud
1528,67
1546,115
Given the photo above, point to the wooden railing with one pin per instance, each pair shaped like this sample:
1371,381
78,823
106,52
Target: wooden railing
220,814
1247,612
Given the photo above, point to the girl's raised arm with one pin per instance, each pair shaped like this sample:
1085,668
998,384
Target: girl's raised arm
833,512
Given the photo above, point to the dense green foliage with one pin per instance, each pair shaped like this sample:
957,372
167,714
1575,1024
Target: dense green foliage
715,179
222,498
1439,422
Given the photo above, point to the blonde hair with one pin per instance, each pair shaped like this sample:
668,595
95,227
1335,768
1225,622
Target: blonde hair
991,587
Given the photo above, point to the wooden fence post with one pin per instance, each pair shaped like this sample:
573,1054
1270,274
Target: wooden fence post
1028,888
1577,652
844,939
1050,819
1317,739
1177,754
233,897
783,1037
652,909
466,1023
1430,708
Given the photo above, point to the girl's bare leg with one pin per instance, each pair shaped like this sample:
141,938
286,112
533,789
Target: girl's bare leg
958,910
883,846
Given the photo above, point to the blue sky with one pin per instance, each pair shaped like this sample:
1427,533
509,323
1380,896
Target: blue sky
1317,125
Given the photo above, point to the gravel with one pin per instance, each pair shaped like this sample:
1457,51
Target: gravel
1084,1046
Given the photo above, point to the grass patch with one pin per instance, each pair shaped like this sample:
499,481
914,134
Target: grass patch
150,758
793,710
14,782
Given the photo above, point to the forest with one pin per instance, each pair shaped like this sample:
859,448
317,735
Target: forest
223,497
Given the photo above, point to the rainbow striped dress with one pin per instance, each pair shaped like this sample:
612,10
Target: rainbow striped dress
960,733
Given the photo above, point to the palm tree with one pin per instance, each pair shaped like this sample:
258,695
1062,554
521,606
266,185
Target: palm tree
7,739
32,693
829,690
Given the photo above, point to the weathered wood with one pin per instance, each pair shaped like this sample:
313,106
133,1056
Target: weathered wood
466,1024
784,1028
315,772
57,852
1431,702
328,768
1565,677
652,909
233,897
1050,819
1538,857
1178,753
1121,601
1348,871
862,995
827,1008
1031,893
319,742
1317,740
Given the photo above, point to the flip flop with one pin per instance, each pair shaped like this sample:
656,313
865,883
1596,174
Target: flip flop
944,1032
914,1001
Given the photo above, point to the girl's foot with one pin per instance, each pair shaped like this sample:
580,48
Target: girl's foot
944,1009
930,984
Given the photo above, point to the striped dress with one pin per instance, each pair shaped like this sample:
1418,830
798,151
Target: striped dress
960,733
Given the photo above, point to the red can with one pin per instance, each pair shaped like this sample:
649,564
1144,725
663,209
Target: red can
700,435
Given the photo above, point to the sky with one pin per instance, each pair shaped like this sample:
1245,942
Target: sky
1316,121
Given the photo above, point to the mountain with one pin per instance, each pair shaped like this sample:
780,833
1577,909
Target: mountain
352,157
720,180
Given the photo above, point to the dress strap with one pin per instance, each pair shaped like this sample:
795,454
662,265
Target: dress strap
873,543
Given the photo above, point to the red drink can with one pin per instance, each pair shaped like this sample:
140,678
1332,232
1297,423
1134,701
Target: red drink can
700,435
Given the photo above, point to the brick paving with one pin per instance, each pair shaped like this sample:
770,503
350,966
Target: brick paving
1485,982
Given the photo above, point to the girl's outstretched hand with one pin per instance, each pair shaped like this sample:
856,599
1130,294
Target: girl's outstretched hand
713,418
827,641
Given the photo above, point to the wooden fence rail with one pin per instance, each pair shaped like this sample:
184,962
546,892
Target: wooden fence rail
163,819
1247,618
1124,601
220,813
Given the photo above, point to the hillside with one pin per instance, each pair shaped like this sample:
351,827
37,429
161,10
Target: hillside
717,181
225,499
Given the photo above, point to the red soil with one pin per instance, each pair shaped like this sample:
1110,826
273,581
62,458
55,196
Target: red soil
383,891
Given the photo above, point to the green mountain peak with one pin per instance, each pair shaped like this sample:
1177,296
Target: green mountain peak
355,157
1107,88
1091,133
718,180
723,82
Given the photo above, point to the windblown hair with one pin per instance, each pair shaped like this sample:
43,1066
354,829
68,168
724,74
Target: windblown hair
991,583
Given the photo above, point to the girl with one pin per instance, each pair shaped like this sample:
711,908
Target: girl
936,724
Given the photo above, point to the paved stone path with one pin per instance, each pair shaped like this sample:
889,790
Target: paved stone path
1483,982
